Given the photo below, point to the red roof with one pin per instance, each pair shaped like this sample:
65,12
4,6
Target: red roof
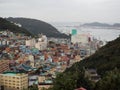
81,88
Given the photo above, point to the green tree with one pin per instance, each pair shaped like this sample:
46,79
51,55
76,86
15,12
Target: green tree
111,81
33,87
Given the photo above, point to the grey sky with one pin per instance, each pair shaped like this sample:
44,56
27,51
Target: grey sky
63,10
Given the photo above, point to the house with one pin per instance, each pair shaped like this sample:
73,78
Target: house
92,75
44,81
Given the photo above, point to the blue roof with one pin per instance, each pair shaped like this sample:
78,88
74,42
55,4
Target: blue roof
42,74
11,73
25,67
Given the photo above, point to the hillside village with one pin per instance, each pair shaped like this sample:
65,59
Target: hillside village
59,45
26,61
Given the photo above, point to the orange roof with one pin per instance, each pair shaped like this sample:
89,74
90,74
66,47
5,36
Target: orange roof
7,49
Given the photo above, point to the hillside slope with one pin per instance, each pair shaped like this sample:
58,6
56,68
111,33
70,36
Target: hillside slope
37,27
6,25
105,60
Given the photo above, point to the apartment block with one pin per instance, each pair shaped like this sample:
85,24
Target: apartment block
13,81
4,65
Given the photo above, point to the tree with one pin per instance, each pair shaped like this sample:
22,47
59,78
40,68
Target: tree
71,80
33,87
111,81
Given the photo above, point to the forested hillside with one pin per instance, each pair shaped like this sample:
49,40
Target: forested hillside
37,27
6,25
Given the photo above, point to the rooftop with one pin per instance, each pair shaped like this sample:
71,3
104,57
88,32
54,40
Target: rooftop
12,74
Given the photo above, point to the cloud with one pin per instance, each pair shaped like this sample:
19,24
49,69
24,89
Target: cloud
63,10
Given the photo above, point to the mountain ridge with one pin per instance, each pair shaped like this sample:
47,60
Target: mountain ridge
6,25
37,27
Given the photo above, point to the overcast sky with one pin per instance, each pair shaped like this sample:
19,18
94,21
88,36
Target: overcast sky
63,10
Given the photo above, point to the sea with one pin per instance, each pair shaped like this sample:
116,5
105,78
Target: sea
103,34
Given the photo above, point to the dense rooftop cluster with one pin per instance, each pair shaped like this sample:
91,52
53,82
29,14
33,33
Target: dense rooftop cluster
42,59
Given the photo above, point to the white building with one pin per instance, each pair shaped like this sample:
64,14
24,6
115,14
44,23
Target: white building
30,42
32,62
42,43
4,42
80,38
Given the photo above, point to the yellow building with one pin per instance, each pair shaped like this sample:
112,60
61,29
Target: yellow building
4,65
14,81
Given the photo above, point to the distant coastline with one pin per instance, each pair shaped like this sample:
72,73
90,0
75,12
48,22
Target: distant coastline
102,28
98,25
